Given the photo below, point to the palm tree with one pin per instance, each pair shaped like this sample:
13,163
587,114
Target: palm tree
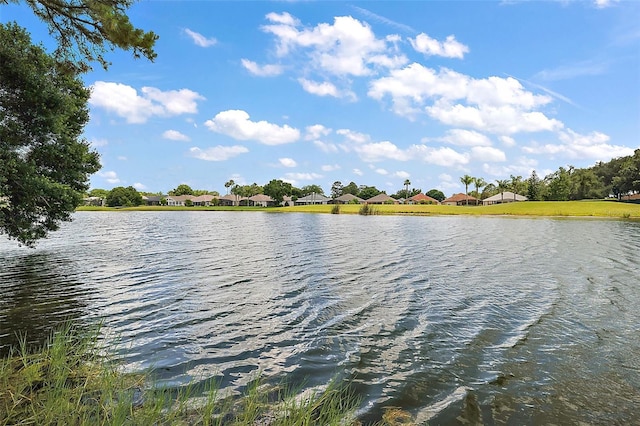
407,182
479,183
466,180
229,184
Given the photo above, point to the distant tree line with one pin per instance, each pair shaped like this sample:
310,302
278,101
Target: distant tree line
617,177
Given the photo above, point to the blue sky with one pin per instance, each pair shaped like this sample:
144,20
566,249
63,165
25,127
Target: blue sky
370,92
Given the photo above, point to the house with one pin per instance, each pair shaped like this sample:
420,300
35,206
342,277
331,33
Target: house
203,200
231,200
178,200
88,201
422,199
381,198
261,200
633,198
504,197
286,201
347,199
461,199
312,199
152,200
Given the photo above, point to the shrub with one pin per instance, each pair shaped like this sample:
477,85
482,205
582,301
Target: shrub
335,209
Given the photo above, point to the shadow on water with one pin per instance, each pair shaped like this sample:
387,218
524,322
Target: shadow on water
38,291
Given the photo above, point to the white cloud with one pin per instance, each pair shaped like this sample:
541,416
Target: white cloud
217,153
443,156
594,145
450,48
487,153
522,166
508,141
352,136
326,147
381,172
287,162
175,135
139,186
302,176
466,138
321,89
379,151
125,101
330,167
122,158
316,132
402,174
110,176
357,172
199,39
236,123
268,70
601,4
347,47
494,104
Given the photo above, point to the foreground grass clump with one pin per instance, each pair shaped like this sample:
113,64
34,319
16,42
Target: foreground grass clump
71,380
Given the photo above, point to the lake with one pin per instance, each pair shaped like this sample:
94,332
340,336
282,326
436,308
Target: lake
456,320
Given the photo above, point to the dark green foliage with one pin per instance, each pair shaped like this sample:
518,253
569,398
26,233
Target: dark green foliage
534,192
367,210
352,189
182,189
366,192
44,161
85,30
277,189
310,189
335,209
437,194
124,197
336,189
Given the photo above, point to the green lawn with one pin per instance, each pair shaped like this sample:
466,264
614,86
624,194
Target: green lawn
589,208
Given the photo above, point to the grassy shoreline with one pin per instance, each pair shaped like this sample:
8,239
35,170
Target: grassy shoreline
73,380
599,208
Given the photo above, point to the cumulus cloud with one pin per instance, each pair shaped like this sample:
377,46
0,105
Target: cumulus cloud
402,174
199,39
573,145
139,186
507,141
381,171
96,143
487,153
466,138
378,151
302,176
352,136
217,153
126,102
522,166
357,172
601,4
321,89
450,48
330,167
326,147
494,104
268,70
316,132
348,47
175,135
442,156
236,124
287,162
110,176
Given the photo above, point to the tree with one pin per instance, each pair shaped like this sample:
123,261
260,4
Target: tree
406,184
229,184
336,189
310,189
85,30
366,192
466,181
277,189
479,183
558,185
124,197
182,189
352,189
97,192
45,162
437,194
534,192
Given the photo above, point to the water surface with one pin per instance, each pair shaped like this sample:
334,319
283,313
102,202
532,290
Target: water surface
454,319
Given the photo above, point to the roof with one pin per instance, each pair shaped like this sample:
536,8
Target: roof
232,197
423,197
381,198
506,195
460,197
630,197
259,198
203,198
313,198
348,197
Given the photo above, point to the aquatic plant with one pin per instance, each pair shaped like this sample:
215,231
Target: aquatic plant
335,209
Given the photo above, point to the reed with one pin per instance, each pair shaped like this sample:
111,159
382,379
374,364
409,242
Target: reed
72,380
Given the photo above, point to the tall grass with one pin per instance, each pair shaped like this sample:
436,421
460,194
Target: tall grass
367,209
72,380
